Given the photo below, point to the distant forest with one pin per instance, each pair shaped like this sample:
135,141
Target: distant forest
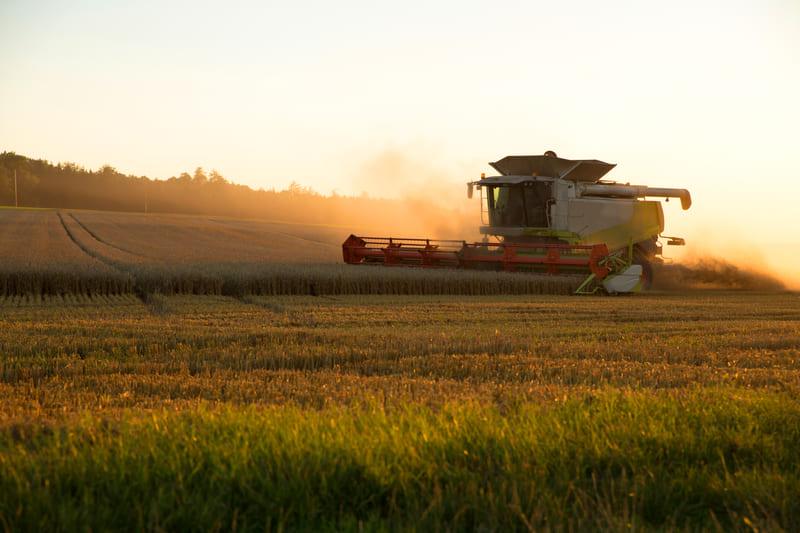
69,186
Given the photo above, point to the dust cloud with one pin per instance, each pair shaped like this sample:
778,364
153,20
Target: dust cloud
718,264
434,200
712,273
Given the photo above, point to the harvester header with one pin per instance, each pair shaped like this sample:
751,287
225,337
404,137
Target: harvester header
552,215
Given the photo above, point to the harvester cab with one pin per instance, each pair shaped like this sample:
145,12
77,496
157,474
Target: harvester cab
552,215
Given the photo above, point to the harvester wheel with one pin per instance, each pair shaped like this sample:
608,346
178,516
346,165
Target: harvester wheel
647,270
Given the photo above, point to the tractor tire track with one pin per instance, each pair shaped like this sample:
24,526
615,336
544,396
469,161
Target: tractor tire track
148,276
110,280
118,266
103,241
86,249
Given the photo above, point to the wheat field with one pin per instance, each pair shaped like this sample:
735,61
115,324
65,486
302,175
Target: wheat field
379,412
51,252
154,386
115,352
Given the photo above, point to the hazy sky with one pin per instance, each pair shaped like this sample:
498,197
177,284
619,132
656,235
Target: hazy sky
696,94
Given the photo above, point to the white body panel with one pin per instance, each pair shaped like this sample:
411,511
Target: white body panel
626,281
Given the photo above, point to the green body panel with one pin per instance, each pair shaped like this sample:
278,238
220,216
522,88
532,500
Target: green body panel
568,237
639,221
646,222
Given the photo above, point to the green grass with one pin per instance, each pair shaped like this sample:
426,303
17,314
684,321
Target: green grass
613,460
661,411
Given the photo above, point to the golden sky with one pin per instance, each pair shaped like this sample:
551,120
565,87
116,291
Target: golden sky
693,94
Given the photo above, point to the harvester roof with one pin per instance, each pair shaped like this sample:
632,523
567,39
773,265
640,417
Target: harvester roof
589,170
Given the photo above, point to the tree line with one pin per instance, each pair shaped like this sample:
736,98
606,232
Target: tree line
42,184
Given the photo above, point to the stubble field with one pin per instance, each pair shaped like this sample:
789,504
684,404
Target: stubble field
325,410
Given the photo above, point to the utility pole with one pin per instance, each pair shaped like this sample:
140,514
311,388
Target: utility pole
16,203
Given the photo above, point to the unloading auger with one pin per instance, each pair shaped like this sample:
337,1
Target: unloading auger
548,215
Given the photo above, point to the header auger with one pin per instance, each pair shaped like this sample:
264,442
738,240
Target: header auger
549,215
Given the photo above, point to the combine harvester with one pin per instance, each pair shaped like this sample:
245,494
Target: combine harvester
549,215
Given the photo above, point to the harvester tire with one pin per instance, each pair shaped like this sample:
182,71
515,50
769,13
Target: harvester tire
647,270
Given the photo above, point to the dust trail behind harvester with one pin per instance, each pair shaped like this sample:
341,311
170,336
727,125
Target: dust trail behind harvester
712,273
433,197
